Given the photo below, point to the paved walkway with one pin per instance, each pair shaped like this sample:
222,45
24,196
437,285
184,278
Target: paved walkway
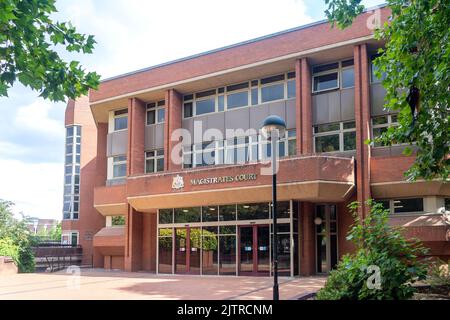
101,284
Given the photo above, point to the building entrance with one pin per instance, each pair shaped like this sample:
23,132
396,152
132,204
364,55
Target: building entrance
254,250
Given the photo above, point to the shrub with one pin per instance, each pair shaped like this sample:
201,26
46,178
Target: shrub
383,266
439,273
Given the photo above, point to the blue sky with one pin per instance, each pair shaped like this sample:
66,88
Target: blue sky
131,34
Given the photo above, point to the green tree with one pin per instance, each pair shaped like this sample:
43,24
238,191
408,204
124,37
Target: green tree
15,238
28,39
379,247
416,65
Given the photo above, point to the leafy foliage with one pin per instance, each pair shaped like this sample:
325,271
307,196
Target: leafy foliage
439,273
416,65
118,220
15,238
28,39
383,246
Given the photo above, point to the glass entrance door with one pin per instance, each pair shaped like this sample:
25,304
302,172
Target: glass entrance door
326,238
254,250
187,250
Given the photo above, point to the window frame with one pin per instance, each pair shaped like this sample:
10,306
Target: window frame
71,191
386,125
392,212
339,132
118,163
155,159
337,70
114,117
222,91
156,107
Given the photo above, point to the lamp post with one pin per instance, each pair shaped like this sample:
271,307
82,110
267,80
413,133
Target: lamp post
274,128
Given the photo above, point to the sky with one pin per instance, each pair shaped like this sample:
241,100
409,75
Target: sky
130,34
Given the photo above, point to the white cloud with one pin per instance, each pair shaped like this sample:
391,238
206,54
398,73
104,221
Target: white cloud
36,189
35,116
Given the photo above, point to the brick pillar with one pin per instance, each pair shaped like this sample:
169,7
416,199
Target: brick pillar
172,122
298,105
136,137
133,240
149,241
362,119
307,240
101,160
306,108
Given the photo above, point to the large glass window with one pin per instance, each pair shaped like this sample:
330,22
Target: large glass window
186,215
120,119
403,205
165,244
334,137
205,106
253,211
72,173
210,250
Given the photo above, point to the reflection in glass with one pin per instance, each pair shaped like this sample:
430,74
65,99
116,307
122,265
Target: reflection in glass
180,250
185,215
263,249
165,251
194,250
227,213
209,213
246,249
210,247
227,255
253,211
165,216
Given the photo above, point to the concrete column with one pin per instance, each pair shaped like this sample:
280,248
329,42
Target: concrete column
136,137
172,122
298,105
133,240
306,108
362,120
308,240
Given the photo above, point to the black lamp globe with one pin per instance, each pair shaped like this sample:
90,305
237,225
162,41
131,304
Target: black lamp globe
273,123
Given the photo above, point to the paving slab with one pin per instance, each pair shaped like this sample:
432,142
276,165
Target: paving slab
92,284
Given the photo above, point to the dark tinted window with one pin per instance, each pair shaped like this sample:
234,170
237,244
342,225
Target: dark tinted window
408,205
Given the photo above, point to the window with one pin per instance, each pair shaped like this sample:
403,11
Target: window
120,119
272,88
70,238
380,124
72,173
236,150
335,137
156,112
374,70
447,204
239,95
117,220
154,161
333,76
119,166
405,205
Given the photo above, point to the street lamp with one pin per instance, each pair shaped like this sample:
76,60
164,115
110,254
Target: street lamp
274,128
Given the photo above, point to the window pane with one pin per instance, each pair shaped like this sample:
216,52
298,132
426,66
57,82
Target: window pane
160,164
326,127
165,216
120,170
227,213
291,89
188,110
408,205
237,86
161,115
349,141
69,159
349,125
120,123
236,100
254,96
150,165
274,92
348,78
227,249
210,248
151,117
379,120
221,103
292,147
119,158
326,67
205,106
209,213
253,211
187,215
69,131
69,148
327,81
377,132
327,143
272,79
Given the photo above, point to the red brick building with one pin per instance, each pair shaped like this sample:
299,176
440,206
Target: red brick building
176,150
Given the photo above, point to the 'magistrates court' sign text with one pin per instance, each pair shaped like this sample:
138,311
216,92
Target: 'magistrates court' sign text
224,179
